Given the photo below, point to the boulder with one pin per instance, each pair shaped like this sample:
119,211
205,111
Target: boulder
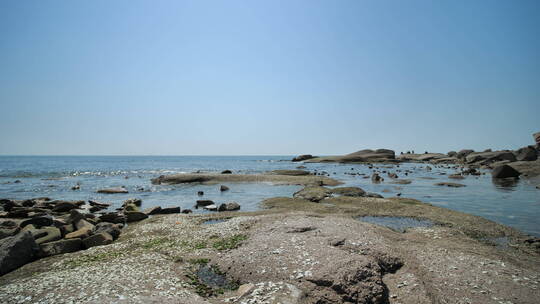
349,191
169,210
231,206
186,211
226,172
313,193
302,157
99,204
16,251
112,217
113,229
60,247
202,203
212,207
152,210
46,234
134,216
223,188
489,157
452,154
83,224
135,201
98,239
463,153
113,190
131,208
38,221
63,206
536,137
82,233
504,171
8,228
526,154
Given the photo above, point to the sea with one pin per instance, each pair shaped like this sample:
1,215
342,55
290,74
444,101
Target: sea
516,204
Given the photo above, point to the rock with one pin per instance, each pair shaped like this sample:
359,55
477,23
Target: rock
131,208
223,188
226,172
376,178
302,157
60,247
98,239
16,251
134,216
290,172
80,233
200,193
83,224
231,206
453,185
402,181
349,191
113,190
301,167
62,206
536,137
504,171
46,234
113,229
76,187
374,195
463,153
245,289
113,217
452,154
152,210
8,228
313,193
186,211
456,176
99,204
489,157
211,207
38,221
169,210
527,154
202,203
135,201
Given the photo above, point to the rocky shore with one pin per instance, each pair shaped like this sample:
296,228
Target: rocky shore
298,250
524,160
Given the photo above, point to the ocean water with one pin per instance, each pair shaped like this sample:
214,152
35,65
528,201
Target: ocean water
514,204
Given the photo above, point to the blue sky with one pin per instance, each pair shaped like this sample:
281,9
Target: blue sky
267,77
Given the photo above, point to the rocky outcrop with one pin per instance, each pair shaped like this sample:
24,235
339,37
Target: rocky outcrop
313,193
278,179
349,191
528,153
16,251
362,156
504,171
484,158
230,206
302,157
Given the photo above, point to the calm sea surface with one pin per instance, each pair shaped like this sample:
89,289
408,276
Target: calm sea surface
516,205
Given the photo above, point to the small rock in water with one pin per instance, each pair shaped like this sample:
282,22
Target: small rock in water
453,185
223,188
200,193
231,206
226,172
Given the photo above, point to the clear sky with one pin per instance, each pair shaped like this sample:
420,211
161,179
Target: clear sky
267,77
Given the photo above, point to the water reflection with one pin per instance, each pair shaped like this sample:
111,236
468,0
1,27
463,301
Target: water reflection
508,184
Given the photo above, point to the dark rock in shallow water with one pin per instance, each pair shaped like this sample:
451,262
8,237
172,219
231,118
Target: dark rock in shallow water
60,247
231,206
223,188
113,190
226,172
376,178
202,203
374,195
186,211
169,210
98,239
453,185
302,157
504,171
16,251
152,210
